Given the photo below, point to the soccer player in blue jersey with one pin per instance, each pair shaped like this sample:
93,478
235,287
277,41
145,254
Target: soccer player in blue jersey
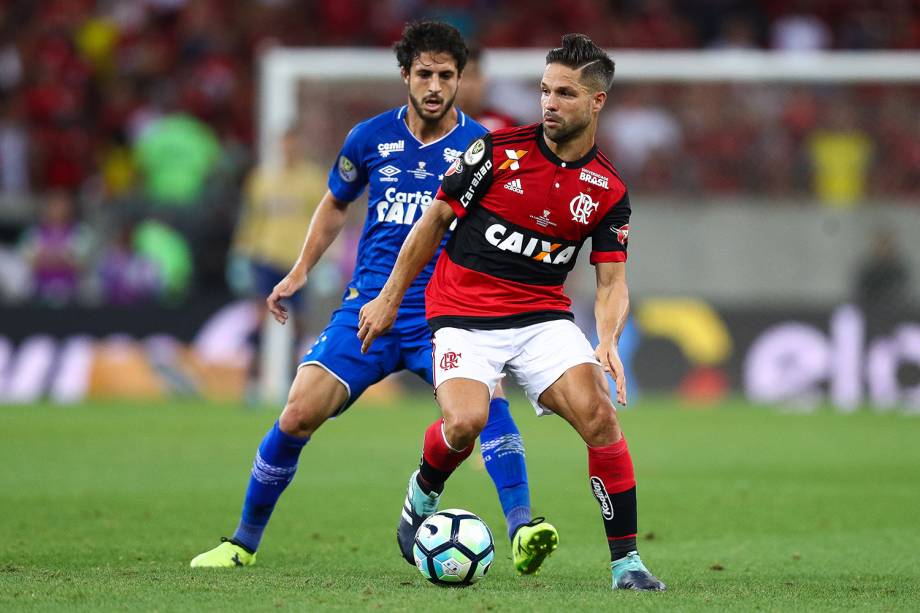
401,156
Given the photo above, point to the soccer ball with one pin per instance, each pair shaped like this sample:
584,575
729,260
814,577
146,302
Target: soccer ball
453,547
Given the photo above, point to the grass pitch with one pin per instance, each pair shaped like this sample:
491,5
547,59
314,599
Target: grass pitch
741,508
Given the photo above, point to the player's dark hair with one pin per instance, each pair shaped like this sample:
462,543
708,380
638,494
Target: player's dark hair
580,53
433,37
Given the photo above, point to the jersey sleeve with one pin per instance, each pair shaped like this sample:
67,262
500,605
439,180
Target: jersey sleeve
611,236
348,176
469,177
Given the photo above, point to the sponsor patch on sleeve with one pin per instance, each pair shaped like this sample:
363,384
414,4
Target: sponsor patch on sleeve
347,170
454,168
474,154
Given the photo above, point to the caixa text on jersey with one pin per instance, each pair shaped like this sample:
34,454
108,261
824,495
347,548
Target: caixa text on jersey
401,207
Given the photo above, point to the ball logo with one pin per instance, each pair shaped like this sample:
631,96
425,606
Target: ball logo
450,360
600,492
454,168
622,234
582,207
451,567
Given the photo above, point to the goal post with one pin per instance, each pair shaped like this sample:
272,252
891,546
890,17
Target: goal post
282,67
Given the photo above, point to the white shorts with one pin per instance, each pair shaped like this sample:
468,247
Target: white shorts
535,355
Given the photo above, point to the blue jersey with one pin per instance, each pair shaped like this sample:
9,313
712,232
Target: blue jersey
403,176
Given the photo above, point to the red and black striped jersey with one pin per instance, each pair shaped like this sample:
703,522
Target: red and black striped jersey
524,214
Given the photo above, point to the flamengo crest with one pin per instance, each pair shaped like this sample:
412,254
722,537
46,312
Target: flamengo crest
450,360
582,207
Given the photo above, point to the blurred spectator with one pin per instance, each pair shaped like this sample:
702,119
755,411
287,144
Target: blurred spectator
56,249
736,32
170,251
10,67
126,276
14,150
277,209
472,98
175,155
15,276
882,285
800,30
840,156
638,128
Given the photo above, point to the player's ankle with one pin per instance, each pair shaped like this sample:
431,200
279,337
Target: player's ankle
428,486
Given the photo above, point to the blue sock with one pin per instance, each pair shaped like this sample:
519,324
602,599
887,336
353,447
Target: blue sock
503,454
272,470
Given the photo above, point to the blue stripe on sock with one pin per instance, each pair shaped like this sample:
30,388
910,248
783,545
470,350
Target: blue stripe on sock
503,454
516,518
272,470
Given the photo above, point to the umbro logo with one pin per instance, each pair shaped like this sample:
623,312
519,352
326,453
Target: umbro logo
515,186
389,173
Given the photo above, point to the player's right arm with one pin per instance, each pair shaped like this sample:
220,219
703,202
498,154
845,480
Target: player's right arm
378,315
347,180
465,182
328,220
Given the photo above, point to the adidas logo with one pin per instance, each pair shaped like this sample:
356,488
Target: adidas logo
515,186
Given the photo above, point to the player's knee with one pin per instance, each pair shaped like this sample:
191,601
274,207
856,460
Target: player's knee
300,417
463,429
600,427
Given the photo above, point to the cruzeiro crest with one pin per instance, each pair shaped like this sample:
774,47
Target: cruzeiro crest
581,207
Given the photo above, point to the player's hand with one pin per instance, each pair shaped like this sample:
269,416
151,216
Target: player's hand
285,289
610,360
375,319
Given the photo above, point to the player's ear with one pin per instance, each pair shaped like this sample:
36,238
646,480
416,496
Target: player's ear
598,101
405,75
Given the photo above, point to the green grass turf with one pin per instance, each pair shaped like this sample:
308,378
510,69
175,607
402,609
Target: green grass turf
741,508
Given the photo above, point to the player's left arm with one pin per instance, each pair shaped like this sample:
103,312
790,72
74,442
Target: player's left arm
609,242
377,316
611,308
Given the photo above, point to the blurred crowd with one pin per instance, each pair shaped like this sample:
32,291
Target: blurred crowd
836,145
127,127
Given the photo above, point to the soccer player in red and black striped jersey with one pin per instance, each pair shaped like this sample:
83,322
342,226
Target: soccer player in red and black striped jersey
525,200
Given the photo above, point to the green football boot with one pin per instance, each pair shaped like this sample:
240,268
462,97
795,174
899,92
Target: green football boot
630,573
532,543
226,555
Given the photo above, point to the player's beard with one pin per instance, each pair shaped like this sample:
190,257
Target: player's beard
565,131
428,117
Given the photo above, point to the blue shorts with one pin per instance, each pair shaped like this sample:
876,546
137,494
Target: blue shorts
338,351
